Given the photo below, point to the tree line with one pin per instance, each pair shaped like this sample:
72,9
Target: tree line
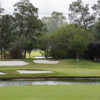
19,31
23,31
80,38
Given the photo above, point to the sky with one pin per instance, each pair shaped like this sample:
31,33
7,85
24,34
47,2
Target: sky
46,7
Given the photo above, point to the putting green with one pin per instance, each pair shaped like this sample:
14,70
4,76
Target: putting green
58,92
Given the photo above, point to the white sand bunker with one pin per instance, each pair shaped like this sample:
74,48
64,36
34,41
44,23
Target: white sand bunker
32,72
41,57
1,73
13,63
46,62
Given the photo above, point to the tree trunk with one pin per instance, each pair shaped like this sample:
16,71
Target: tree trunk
1,53
24,53
4,54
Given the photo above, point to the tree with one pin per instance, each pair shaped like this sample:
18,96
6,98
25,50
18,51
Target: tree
27,25
67,41
79,42
5,33
19,32
96,8
96,30
80,15
1,9
93,51
1,16
44,44
56,20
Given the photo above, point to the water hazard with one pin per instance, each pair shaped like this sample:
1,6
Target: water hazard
30,83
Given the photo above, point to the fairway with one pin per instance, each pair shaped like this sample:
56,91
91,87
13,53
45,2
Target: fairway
66,67
35,53
58,92
49,50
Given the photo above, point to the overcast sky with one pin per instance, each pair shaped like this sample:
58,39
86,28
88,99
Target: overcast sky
46,7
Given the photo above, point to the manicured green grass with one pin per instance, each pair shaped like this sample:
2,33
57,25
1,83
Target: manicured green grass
67,67
58,92
35,53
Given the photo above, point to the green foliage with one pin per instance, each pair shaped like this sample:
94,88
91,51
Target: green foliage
27,24
96,30
67,41
56,20
19,32
44,43
5,33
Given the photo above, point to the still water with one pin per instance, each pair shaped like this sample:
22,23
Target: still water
30,83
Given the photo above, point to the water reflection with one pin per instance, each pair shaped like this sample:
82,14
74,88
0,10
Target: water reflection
30,83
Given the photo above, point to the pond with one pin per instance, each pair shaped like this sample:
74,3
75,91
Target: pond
30,83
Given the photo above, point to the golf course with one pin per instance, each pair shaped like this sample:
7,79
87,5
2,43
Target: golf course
49,49
58,92
65,68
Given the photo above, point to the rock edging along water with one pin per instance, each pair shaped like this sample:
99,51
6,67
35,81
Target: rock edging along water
55,78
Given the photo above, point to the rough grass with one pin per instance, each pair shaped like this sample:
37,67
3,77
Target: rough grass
58,92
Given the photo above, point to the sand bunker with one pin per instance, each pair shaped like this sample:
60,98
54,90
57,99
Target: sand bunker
32,72
41,57
46,62
12,63
1,73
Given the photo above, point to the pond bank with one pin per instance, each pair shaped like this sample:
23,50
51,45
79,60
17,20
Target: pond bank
54,78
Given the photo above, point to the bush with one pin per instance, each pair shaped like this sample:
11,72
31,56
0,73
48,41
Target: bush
93,51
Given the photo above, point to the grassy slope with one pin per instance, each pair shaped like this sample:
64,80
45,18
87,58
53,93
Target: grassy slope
59,92
67,67
64,68
35,53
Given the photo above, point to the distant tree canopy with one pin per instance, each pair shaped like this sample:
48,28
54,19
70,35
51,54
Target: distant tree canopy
67,41
96,30
56,20
80,14
96,8
96,27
